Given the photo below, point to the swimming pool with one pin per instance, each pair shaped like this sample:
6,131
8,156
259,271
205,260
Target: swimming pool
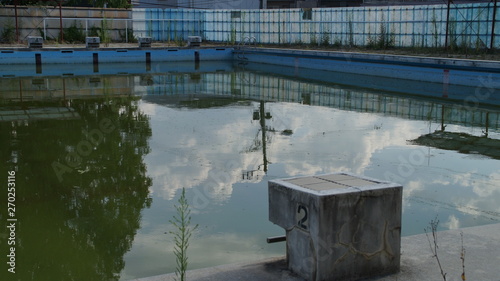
101,158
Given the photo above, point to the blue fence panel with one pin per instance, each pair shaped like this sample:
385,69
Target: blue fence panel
470,25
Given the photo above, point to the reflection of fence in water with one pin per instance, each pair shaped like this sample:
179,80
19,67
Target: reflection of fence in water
282,89
55,88
247,85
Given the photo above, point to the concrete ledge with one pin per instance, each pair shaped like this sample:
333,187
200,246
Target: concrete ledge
473,73
270,269
449,63
482,257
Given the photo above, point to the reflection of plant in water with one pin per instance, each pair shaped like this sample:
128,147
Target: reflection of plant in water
95,210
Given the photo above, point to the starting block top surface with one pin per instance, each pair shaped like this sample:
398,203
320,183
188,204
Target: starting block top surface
333,183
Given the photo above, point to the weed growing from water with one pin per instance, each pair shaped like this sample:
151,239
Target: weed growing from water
182,234
433,225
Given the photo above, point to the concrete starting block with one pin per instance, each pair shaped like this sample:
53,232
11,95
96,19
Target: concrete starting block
194,41
35,42
144,42
92,42
338,226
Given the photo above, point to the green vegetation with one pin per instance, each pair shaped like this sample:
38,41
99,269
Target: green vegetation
8,34
74,3
383,40
182,234
102,32
452,34
232,38
105,36
325,38
313,41
127,36
74,34
337,42
435,31
179,41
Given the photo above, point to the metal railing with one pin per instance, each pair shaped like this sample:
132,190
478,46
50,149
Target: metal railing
247,41
158,29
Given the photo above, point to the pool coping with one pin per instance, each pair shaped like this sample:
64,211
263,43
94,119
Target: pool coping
376,58
406,60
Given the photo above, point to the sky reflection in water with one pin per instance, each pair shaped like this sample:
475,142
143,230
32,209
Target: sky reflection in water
203,131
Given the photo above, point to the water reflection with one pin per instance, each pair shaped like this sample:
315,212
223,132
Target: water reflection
81,184
81,145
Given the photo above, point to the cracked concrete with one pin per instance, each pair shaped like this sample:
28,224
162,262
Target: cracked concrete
352,229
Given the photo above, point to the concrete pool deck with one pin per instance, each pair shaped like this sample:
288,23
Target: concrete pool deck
482,260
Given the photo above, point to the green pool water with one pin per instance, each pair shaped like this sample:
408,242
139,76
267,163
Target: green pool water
100,162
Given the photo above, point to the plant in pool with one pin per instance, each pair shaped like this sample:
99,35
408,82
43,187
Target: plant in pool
182,234
433,226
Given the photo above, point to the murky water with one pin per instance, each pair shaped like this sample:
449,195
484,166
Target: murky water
101,160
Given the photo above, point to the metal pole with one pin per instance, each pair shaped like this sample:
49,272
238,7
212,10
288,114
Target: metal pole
447,24
20,92
44,30
276,239
492,45
60,23
17,26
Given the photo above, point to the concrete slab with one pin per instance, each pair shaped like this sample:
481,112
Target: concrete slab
482,256
270,269
482,260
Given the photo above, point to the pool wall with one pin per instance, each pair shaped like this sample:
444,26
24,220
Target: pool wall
110,55
439,70
375,70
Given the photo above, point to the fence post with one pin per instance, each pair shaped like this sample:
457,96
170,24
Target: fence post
44,30
61,22
492,45
17,26
447,24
